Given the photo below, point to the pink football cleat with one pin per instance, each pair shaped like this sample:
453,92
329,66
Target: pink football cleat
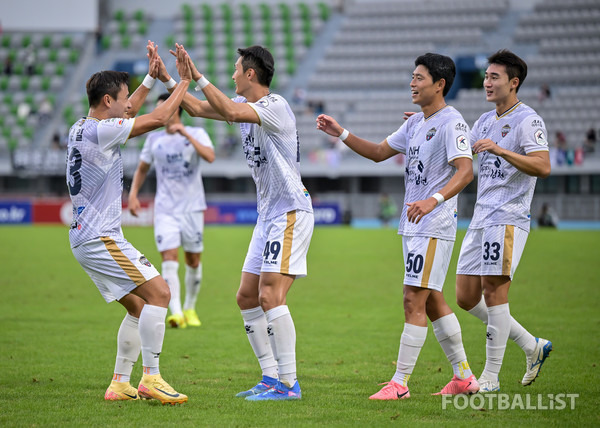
460,386
391,391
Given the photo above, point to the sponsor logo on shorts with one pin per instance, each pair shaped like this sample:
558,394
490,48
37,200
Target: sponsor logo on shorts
143,260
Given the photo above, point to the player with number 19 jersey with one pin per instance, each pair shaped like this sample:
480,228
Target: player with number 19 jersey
431,145
504,193
273,155
95,177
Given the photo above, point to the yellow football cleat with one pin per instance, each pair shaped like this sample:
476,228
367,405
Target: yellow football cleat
120,391
154,386
176,321
191,318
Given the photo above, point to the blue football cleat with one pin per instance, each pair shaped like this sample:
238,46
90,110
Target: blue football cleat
264,385
535,360
278,392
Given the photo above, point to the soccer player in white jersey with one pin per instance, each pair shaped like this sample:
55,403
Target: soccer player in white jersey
95,183
280,241
179,207
511,145
438,166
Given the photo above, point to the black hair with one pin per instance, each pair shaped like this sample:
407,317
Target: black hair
440,67
105,82
515,66
164,97
261,61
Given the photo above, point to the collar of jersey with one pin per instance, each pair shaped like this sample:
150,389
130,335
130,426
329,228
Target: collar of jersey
509,111
92,118
433,114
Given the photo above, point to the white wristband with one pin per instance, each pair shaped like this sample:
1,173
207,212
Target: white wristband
148,81
438,197
344,135
202,83
170,84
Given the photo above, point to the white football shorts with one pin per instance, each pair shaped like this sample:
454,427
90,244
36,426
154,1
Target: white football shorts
175,230
492,251
281,244
114,265
426,261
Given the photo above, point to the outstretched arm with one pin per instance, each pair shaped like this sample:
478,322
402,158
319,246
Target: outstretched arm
375,152
536,164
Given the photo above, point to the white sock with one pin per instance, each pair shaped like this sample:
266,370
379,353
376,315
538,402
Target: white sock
412,340
282,335
518,333
152,334
170,272
255,323
128,348
497,335
193,280
447,333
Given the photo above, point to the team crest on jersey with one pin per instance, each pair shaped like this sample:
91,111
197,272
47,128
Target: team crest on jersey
462,143
430,134
505,130
540,138
143,260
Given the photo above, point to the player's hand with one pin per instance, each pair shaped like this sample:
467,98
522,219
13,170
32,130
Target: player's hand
183,63
328,125
134,205
416,210
152,61
487,145
196,75
176,127
408,114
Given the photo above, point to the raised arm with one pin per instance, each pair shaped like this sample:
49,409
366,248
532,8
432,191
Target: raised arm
161,114
374,151
463,176
536,164
139,96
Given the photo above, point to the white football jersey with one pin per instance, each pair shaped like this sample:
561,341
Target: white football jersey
272,151
179,187
95,177
431,145
503,192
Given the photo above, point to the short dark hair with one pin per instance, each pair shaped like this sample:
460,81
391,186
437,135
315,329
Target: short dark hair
261,61
164,97
515,66
440,67
105,82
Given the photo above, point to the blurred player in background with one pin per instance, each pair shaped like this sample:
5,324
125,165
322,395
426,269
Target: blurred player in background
95,183
280,241
512,149
179,207
438,166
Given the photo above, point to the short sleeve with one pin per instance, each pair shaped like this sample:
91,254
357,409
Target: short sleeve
113,132
532,136
269,112
474,134
146,154
457,139
399,139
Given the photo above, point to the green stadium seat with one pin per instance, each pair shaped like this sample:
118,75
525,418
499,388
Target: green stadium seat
24,83
227,12
188,12
46,41
125,41
138,15
6,41
324,11
119,15
3,83
46,81
60,69
142,28
26,40
53,55
105,42
67,42
12,144
170,40
207,12
265,11
123,28
73,56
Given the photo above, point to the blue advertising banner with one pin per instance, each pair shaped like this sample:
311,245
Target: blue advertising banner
15,212
245,213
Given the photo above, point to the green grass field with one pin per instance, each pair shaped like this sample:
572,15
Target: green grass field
58,337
